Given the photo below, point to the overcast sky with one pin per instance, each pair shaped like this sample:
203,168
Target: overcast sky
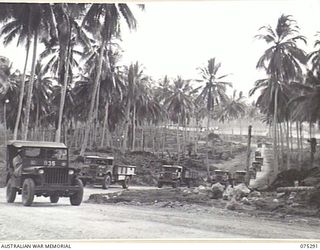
175,38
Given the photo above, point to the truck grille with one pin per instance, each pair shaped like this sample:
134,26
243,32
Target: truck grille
167,175
56,175
93,170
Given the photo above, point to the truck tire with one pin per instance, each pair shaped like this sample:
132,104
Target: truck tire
126,182
106,182
28,187
84,182
11,191
76,198
160,184
54,198
189,184
176,184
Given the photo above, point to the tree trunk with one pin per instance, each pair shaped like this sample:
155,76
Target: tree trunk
105,128
288,145
301,141
126,126
134,127
275,121
291,136
94,93
282,146
21,94
178,138
30,87
63,94
95,119
298,143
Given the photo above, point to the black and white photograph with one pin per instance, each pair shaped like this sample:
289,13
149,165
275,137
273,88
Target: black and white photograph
160,121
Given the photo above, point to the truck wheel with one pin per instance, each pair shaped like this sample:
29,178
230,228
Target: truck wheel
28,187
160,184
176,184
54,198
126,182
106,182
76,198
11,191
84,182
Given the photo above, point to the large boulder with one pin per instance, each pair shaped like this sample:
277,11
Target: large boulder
241,190
254,194
228,193
217,191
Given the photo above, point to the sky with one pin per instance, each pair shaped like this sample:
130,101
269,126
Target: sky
176,38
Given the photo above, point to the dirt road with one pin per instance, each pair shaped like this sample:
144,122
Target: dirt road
45,221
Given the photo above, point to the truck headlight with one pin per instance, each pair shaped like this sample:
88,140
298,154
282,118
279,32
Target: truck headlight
41,171
71,172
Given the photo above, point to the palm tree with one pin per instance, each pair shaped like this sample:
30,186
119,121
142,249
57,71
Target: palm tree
18,22
233,108
214,90
110,15
65,15
42,91
179,104
282,61
135,93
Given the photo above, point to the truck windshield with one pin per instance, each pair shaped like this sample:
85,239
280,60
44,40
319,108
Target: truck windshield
46,153
171,170
98,161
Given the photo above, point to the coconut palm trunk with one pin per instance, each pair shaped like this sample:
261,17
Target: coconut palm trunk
207,145
275,116
30,87
178,138
94,93
63,94
126,126
134,127
105,128
21,94
288,145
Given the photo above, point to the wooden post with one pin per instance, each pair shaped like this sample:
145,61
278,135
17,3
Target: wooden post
248,154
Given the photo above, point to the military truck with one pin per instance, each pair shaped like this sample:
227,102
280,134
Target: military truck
239,177
176,176
36,168
220,176
98,170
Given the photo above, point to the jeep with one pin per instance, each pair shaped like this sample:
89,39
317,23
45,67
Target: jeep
36,168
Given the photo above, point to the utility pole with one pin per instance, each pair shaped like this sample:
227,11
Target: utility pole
248,154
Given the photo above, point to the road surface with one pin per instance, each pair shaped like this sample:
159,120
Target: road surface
46,221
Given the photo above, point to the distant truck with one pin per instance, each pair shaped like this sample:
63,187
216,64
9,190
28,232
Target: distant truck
221,176
99,170
175,176
239,177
